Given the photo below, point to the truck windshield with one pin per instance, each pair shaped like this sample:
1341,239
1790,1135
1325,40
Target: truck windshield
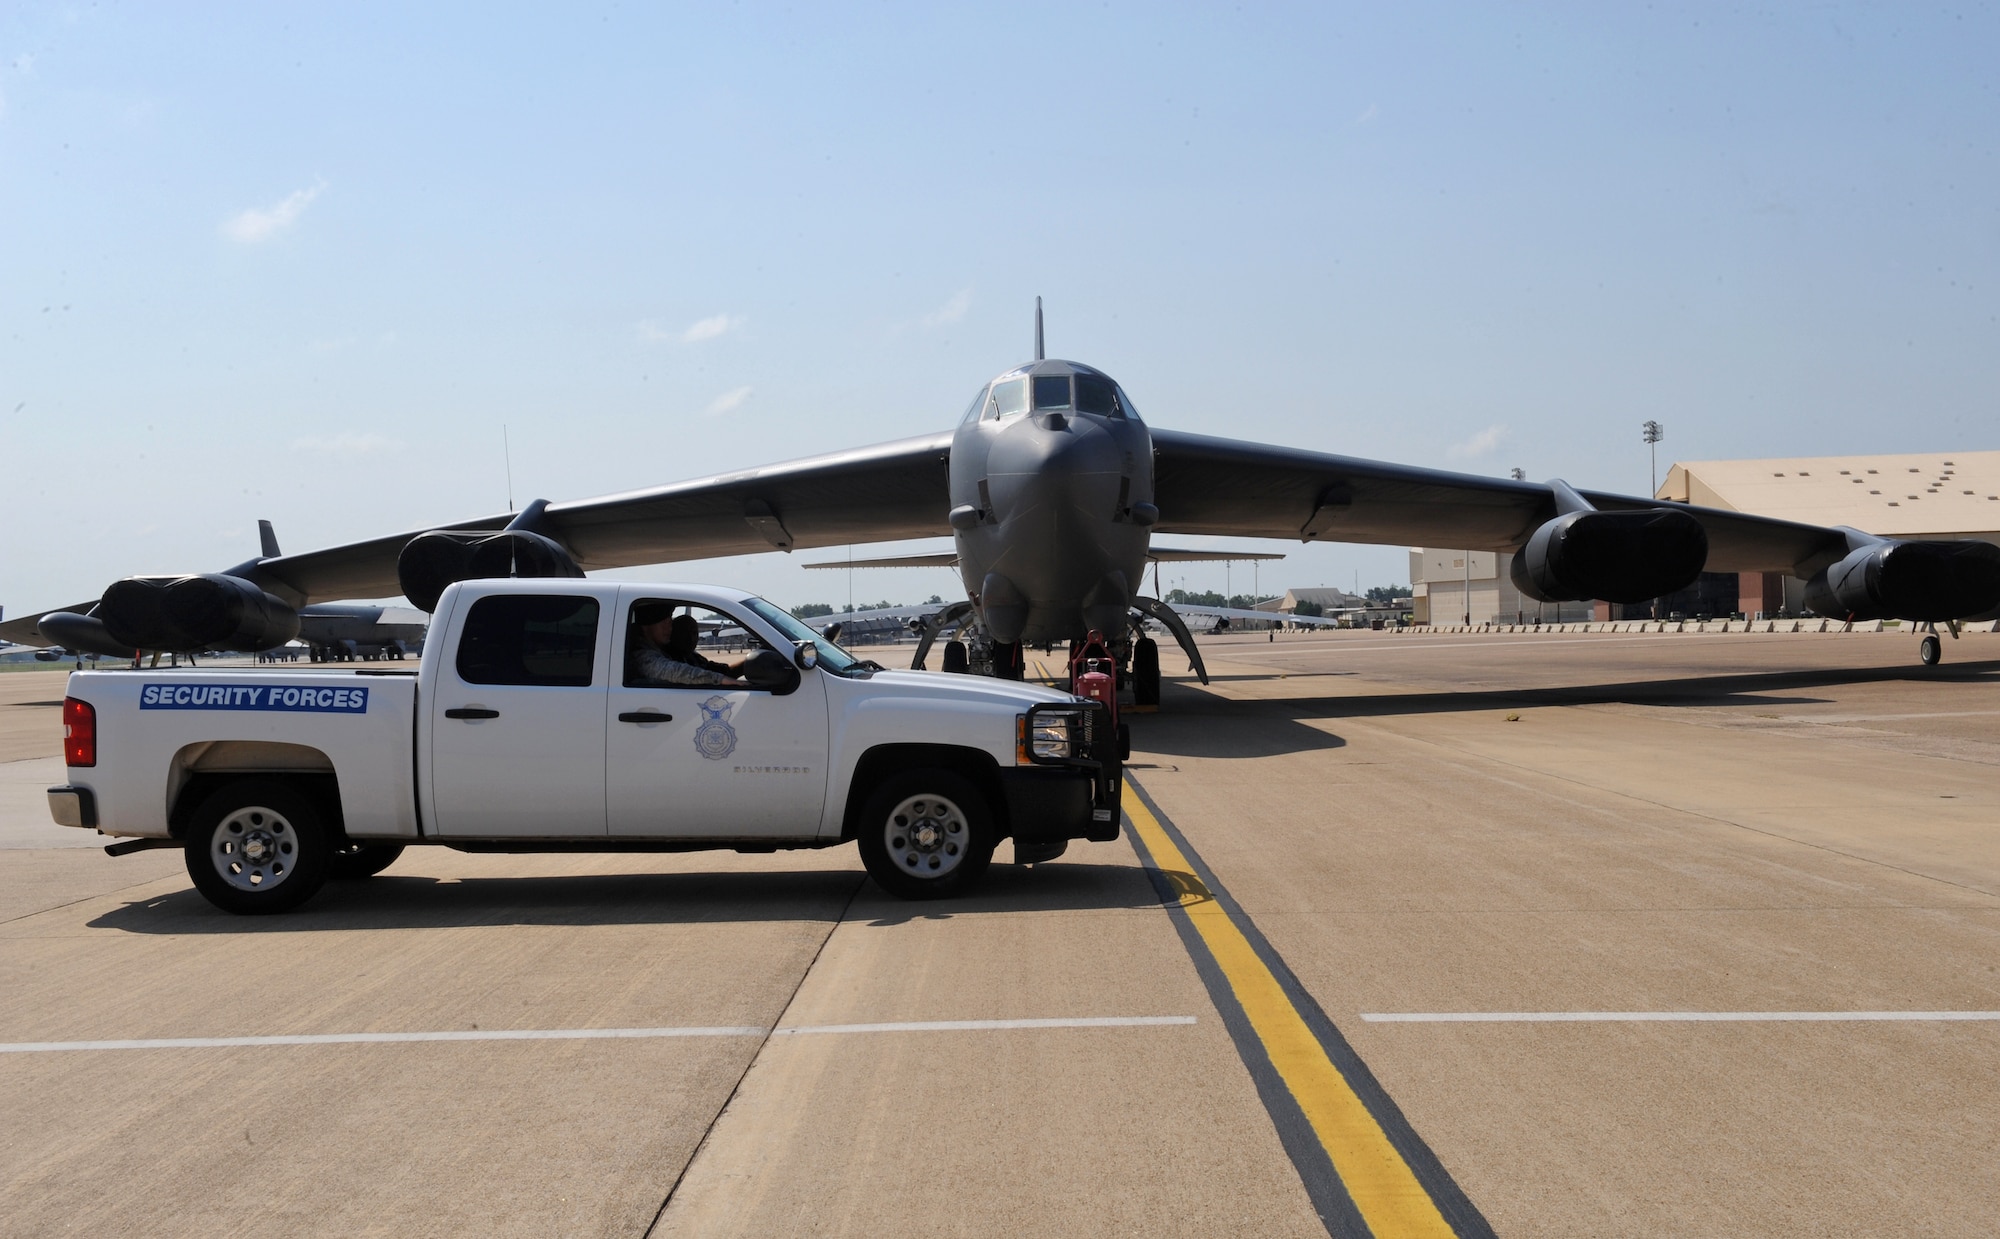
831,656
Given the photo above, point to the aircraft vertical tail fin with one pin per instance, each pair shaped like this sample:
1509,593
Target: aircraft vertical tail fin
1038,329
268,537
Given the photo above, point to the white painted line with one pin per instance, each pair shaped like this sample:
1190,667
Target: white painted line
1089,1021
1634,1017
363,1038
586,1034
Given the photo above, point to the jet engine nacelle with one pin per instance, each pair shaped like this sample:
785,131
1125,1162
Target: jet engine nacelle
433,561
1616,556
1922,581
187,614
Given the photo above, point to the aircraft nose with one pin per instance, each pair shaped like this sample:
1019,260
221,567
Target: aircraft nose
1053,445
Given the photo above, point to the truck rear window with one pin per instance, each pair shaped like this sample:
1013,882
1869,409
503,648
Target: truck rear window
545,639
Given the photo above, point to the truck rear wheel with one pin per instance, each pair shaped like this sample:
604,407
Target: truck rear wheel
256,846
352,861
926,834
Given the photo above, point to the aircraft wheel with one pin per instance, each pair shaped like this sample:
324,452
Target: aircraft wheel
926,834
1145,672
1007,661
256,846
955,657
1931,650
354,861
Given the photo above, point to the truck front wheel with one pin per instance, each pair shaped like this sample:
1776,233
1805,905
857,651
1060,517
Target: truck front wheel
257,845
926,834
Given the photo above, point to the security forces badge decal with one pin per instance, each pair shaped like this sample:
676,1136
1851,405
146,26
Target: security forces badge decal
715,739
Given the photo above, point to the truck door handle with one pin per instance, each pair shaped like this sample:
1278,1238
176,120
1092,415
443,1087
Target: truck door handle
472,712
645,716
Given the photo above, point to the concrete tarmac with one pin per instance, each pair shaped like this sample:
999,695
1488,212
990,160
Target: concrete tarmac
1418,826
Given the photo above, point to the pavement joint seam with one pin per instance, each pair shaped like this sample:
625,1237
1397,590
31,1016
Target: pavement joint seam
708,1132
119,890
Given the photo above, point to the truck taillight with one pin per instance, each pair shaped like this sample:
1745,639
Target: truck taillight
79,733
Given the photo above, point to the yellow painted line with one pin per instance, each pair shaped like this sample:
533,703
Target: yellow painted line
1381,1183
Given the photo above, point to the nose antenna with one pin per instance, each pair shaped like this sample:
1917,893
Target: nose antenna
1038,329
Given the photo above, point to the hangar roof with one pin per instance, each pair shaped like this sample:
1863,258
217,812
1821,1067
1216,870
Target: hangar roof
1926,494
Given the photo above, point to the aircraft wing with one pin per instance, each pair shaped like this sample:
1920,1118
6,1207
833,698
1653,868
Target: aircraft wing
819,623
949,559
22,630
1326,620
931,559
872,494
1206,485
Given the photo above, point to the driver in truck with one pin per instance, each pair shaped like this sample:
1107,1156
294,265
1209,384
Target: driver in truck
665,652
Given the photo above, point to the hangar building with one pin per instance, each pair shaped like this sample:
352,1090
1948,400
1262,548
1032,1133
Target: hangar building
1926,495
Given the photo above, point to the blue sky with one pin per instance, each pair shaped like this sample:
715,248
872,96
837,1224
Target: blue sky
264,261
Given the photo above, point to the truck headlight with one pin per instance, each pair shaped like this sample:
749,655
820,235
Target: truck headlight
1058,734
1053,735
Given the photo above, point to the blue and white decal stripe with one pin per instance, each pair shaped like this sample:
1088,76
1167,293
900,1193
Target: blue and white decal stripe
288,698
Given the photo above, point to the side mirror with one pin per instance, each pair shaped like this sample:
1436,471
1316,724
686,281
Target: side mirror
806,656
770,671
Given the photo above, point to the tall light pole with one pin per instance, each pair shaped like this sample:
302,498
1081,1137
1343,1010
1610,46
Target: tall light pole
1652,434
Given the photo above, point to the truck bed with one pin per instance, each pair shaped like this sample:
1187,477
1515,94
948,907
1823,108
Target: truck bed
357,725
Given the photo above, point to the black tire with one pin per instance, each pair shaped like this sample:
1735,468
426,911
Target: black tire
1008,662
1145,672
257,846
351,862
955,659
1931,650
952,856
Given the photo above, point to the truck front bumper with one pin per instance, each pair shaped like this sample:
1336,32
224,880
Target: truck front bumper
1047,803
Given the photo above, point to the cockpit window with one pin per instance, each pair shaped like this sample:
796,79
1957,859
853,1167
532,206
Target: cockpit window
1125,403
978,403
1097,394
1051,391
1010,397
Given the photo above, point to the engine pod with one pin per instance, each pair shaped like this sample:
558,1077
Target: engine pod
1922,581
431,562
190,613
1615,556
134,613
519,553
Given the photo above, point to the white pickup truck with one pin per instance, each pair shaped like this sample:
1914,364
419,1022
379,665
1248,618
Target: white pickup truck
527,728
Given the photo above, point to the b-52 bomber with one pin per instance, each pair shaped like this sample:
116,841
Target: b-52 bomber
1052,488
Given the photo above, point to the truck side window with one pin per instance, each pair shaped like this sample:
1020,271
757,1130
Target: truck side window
543,639
720,640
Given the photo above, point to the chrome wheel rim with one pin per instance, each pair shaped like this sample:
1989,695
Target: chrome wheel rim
927,836
254,848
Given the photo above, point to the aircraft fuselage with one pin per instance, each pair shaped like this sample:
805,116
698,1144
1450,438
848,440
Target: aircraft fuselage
1052,503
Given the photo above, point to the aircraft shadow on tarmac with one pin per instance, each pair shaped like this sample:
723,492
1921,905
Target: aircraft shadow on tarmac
1197,725
416,901
1735,689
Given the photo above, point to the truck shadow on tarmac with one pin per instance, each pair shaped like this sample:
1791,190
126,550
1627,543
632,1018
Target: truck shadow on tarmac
418,901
